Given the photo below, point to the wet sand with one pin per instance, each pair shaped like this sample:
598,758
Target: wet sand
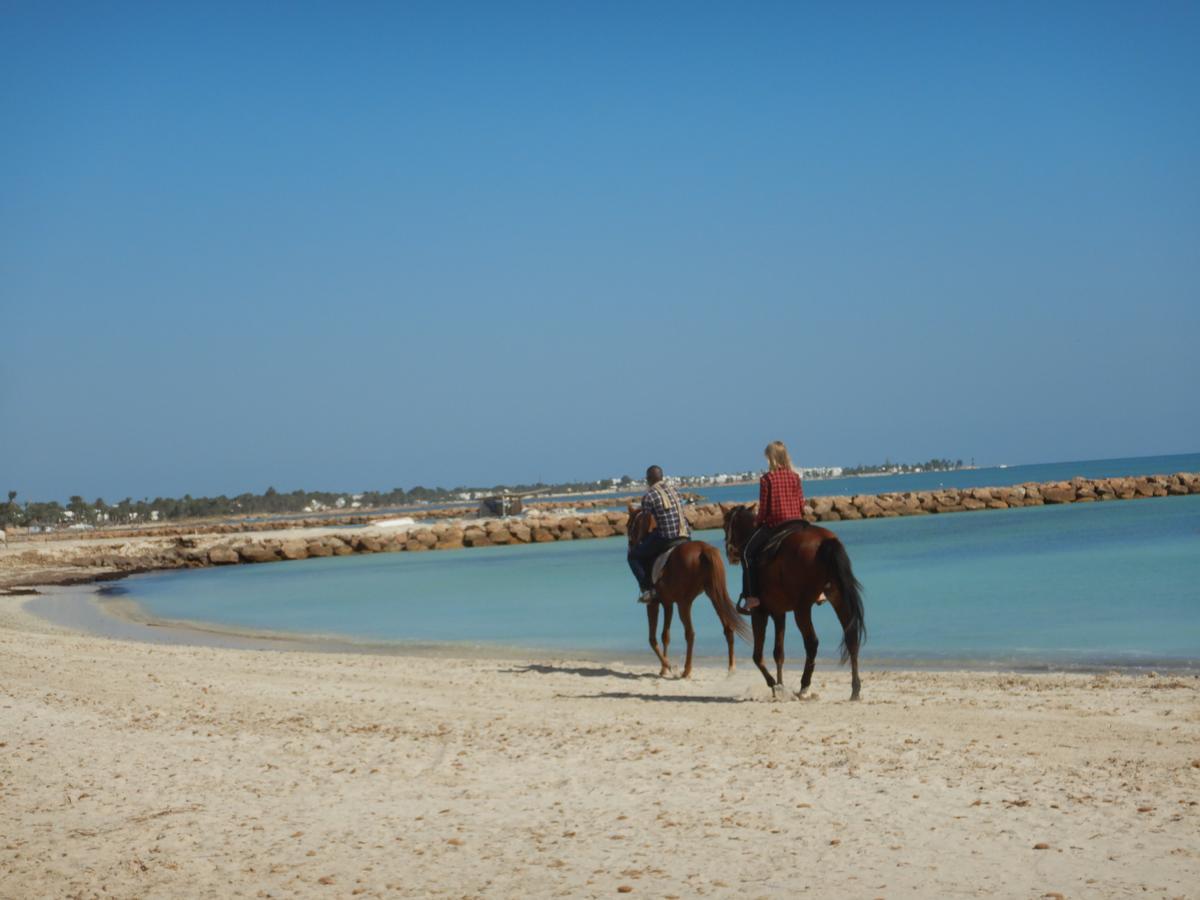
136,769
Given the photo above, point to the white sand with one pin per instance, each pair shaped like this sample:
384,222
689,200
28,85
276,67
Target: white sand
132,770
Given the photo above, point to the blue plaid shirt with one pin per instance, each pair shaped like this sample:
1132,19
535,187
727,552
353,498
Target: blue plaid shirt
663,501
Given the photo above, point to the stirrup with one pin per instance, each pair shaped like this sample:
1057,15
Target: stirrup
743,608
646,596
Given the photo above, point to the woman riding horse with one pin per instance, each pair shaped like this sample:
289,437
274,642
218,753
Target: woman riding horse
780,502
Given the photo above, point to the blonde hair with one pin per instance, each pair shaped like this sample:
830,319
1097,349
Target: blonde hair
777,456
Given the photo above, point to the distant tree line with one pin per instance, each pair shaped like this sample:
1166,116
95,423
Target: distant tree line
933,465
270,502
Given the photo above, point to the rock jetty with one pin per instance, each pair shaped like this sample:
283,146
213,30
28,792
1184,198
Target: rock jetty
112,555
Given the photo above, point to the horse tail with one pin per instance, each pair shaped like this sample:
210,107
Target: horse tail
714,586
833,555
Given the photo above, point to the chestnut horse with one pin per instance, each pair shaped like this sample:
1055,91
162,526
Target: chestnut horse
694,566
808,562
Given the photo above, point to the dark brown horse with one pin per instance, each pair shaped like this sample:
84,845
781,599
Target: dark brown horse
693,567
808,562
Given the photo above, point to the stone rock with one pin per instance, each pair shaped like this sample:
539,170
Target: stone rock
475,537
601,530
222,556
425,536
341,548
319,548
542,535
520,533
705,518
822,505
971,503
294,549
1143,487
1058,493
500,536
256,553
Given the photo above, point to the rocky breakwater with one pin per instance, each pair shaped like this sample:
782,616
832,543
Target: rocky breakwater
95,559
548,527
416,539
952,500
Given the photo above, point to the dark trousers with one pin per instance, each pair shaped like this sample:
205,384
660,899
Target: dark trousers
641,558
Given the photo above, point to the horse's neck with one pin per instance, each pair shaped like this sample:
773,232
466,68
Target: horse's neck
748,530
643,525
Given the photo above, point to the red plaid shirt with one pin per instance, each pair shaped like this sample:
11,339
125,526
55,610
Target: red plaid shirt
780,498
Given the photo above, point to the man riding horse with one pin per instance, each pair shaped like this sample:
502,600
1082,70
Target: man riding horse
662,501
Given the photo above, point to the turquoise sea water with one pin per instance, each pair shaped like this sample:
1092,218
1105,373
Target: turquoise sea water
1098,584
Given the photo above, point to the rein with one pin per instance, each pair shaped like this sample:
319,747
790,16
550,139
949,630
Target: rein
733,546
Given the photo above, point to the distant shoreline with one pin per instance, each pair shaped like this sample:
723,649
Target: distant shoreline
29,561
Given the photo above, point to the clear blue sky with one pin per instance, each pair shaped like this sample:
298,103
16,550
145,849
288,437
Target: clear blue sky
351,246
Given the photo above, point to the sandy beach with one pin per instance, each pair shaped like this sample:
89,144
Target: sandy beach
135,770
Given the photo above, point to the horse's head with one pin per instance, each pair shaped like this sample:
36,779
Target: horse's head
739,525
638,524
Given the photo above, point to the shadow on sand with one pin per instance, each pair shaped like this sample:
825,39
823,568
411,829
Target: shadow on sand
585,671
657,698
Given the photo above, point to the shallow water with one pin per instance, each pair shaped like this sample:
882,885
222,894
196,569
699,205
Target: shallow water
1093,584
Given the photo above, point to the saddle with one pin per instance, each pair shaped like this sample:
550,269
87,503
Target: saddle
771,547
660,561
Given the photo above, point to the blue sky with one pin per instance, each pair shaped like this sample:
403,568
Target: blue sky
353,246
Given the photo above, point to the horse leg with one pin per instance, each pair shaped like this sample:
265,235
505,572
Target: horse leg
668,614
804,623
758,621
850,636
689,633
780,620
652,619
729,644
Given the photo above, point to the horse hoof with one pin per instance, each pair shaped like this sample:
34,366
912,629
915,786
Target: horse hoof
779,692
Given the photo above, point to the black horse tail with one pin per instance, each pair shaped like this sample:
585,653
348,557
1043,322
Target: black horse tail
833,556
718,593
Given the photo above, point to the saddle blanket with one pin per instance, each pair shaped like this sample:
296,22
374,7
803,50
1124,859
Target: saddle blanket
661,560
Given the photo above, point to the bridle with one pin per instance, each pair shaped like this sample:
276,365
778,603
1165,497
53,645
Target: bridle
733,551
636,529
